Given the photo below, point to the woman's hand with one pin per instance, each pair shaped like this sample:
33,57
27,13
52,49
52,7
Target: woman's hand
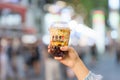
73,61
70,59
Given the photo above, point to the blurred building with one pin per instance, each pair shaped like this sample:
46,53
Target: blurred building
18,15
114,17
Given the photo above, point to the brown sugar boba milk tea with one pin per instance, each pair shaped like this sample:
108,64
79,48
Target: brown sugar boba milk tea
59,36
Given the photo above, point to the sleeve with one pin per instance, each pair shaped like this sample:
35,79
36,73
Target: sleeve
92,76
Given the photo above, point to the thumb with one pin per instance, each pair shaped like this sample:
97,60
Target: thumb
65,48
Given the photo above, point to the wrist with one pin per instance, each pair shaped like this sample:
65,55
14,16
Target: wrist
80,70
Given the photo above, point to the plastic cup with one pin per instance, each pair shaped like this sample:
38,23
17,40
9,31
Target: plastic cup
59,36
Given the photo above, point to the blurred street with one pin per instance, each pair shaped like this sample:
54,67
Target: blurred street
107,67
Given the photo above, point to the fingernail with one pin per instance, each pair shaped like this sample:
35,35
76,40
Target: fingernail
61,47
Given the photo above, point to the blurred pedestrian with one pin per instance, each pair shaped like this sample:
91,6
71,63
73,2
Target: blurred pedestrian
20,61
35,59
93,54
3,64
10,58
118,52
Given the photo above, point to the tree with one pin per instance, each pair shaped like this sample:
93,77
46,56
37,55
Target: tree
85,7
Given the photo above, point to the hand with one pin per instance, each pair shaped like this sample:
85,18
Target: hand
70,58
73,61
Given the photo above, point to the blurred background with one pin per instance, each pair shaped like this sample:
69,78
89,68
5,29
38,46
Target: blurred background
24,36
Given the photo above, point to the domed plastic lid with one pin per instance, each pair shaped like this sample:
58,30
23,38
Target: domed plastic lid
63,25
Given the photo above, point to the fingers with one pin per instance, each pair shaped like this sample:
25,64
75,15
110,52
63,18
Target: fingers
58,58
48,46
49,51
65,48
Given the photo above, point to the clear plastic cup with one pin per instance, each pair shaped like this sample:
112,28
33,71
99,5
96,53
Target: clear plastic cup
59,36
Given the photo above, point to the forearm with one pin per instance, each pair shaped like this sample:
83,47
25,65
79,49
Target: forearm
80,70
